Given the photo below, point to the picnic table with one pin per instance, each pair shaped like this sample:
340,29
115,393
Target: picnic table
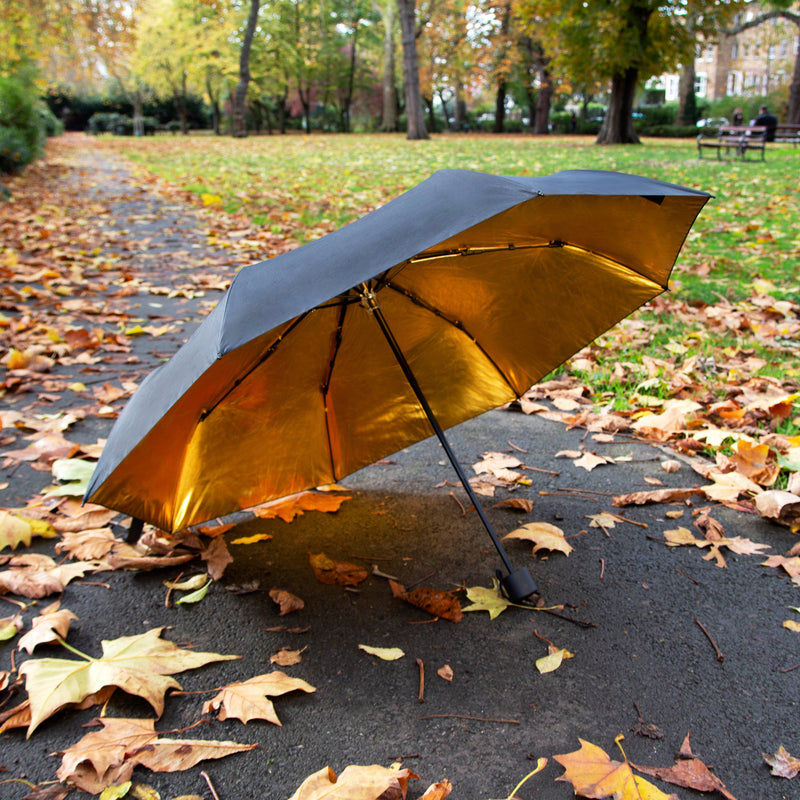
734,140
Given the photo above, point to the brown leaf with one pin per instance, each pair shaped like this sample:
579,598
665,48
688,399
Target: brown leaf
286,657
790,565
783,507
287,508
51,624
40,577
336,573
783,765
87,544
655,496
689,772
438,791
217,557
434,601
517,504
287,601
248,699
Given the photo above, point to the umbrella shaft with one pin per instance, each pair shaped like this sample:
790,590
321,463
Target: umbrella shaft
437,429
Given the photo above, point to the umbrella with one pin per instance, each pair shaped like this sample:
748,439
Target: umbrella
452,299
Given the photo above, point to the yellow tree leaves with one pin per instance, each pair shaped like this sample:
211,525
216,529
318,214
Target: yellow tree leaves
544,537
140,665
248,700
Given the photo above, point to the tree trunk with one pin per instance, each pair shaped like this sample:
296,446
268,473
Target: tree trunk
793,112
687,103
240,95
388,13
617,127
213,101
182,109
542,124
138,114
415,113
500,107
459,107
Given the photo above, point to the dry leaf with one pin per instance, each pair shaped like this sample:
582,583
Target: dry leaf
783,765
51,624
790,565
256,537
383,653
517,504
17,529
437,791
593,774
655,496
446,673
434,601
544,537
589,461
38,576
286,657
336,573
287,601
553,660
287,508
490,600
217,557
248,699
140,665
87,544
783,507
689,772
356,783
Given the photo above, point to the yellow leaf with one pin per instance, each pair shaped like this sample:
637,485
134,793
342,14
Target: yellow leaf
256,537
384,653
553,660
544,536
211,199
355,783
792,625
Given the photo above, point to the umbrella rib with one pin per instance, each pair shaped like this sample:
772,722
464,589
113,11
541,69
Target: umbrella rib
250,370
335,345
457,324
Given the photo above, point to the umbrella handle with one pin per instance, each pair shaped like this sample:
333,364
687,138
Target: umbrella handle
518,584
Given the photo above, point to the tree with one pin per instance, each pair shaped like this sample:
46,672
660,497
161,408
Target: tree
624,43
780,9
388,12
415,114
240,93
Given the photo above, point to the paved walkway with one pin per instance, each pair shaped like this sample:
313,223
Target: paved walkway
631,613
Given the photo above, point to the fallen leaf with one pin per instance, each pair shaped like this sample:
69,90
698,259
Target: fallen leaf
38,576
336,573
445,672
247,700
384,653
589,461
356,783
487,599
544,537
435,601
140,665
553,660
593,774
287,601
437,791
783,507
10,627
783,765
655,496
689,772
790,565
17,529
196,596
256,537
792,625
517,504
53,623
216,557
88,544
287,508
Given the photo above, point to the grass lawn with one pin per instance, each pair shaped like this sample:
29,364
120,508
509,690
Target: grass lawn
734,291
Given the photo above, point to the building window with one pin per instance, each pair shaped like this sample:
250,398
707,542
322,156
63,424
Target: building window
709,53
701,84
735,51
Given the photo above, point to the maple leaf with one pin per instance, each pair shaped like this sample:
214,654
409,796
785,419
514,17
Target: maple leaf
544,536
287,508
50,626
249,699
654,496
791,565
88,544
434,601
783,765
593,774
217,557
36,576
589,461
689,772
783,507
553,660
356,783
522,504
336,573
487,599
107,757
16,529
140,665
437,791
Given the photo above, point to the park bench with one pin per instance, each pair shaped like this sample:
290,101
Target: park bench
788,133
734,139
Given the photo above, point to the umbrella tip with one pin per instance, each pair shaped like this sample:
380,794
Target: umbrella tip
517,585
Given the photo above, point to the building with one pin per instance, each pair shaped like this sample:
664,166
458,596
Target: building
754,62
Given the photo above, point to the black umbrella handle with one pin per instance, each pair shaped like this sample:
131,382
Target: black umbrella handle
518,584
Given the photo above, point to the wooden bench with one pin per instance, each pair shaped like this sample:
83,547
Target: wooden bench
788,133
736,139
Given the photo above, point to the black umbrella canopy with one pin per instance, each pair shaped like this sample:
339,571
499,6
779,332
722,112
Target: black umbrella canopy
485,284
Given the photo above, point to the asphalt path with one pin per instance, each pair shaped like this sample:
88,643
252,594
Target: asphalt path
696,648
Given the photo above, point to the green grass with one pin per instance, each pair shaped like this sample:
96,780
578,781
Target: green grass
746,241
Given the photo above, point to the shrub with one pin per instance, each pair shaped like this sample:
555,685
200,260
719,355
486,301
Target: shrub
23,124
15,152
